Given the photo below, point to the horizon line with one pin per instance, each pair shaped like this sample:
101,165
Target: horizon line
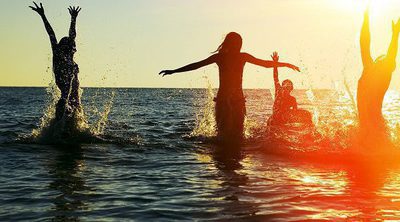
151,87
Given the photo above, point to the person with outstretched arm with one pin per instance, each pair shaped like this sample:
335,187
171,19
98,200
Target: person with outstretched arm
230,101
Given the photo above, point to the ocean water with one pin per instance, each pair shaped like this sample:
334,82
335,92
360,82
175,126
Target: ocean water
152,158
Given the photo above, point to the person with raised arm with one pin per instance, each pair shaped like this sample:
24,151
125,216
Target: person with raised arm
285,108
230,101
374,83
64,68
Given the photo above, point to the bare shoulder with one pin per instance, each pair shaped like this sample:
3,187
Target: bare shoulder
246,56
214,58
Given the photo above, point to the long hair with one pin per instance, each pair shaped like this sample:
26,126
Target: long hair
232,43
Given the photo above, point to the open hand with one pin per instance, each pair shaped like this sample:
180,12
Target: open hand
275,57
38,9
166,72
396,26
74,11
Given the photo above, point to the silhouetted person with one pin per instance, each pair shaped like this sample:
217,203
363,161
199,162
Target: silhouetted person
64,68
374,83
230,101
285,105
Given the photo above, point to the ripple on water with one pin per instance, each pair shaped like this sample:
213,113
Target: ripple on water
174,176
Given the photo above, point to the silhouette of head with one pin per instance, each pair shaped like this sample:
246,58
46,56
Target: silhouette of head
287,86
232,43
67,45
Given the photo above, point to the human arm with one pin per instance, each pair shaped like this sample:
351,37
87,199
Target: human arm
268,64
394,45
49,29
73,11
365,41
192,66
275,58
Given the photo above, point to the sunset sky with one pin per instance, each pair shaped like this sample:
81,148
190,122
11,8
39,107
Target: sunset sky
125,43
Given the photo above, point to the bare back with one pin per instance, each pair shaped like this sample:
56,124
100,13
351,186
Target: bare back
230,75
372,88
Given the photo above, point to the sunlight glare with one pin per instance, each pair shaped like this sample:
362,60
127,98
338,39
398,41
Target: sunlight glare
376,7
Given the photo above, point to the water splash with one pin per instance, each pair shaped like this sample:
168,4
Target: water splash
351,97
98,127
70,129
311,98
205,125
49,113
252,128
337,125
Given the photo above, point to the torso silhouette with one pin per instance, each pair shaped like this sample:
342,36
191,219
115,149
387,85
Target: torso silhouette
283,103
371,91
374,81
231,67
66,75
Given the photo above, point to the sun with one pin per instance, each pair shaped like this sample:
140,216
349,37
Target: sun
376,7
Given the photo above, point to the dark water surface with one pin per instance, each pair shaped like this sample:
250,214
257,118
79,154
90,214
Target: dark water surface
151,168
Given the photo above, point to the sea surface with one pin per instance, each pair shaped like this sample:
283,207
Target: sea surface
152,158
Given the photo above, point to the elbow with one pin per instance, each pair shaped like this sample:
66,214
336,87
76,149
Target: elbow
269,65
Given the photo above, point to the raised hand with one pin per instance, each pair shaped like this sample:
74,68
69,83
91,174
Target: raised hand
166,72
275,57
396,26
38,9
74,11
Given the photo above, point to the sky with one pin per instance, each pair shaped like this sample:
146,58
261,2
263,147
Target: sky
126,43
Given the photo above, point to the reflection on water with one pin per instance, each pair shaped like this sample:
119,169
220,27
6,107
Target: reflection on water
328,191
65,169
262,187
228,162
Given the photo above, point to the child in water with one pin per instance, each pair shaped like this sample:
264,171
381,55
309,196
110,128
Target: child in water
285,105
